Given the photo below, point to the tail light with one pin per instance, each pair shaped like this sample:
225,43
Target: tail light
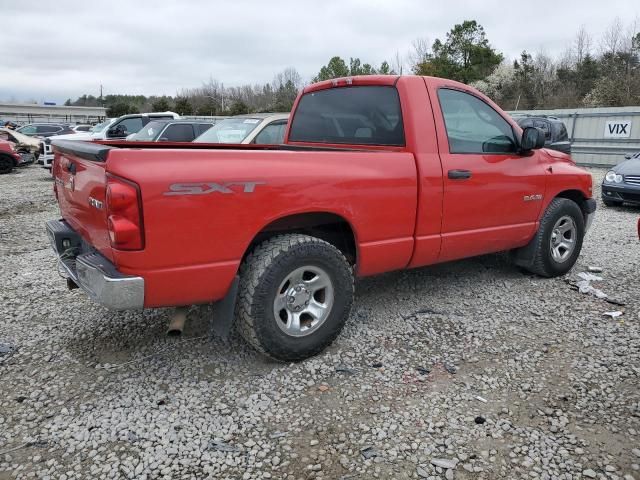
124,214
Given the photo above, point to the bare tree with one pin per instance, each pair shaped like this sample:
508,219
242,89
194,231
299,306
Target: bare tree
613,38
397,63
582,44
420,50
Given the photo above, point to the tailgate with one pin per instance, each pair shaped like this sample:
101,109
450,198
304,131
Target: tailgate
79,171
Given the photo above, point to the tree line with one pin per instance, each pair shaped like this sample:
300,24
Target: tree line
590,72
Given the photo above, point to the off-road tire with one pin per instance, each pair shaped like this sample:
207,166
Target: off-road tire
543,263
261,275
611,203
7,164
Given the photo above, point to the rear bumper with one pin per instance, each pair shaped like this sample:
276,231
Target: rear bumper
92,272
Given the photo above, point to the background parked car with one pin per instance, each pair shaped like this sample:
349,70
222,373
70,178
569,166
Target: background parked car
118,128
259,128
23,143
555,131
44,129
171,131
621,184
133,123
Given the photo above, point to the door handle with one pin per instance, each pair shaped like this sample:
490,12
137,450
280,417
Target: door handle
459,174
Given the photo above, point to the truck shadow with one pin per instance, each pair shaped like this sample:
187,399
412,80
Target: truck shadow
121,337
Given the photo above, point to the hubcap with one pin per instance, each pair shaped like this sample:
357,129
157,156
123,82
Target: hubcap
303,301
563,239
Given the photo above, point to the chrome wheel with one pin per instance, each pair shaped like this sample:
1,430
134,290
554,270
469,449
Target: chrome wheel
563,238
303,301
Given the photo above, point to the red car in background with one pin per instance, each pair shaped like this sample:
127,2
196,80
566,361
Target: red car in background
9,158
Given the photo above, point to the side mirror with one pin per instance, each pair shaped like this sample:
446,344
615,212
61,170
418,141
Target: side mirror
532,139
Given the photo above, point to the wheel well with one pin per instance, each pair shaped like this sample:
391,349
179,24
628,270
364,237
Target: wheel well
328,226
575,195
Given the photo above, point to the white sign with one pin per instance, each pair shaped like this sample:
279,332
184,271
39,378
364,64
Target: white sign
617,129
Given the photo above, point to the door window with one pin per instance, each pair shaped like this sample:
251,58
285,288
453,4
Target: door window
28,130
473,126
273,134
203,127
130,125
178,132
545,127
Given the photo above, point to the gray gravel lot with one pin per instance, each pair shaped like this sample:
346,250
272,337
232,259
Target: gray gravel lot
468,370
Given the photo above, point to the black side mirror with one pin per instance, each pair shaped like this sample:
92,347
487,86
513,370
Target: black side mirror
532,138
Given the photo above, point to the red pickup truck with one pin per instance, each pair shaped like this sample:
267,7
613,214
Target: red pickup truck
377,173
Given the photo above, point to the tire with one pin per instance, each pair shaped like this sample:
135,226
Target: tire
278,277
7,164
558,216
611,203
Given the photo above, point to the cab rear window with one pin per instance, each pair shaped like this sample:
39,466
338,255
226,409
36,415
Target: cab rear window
361,115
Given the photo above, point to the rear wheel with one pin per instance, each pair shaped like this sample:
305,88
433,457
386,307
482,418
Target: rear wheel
6,164
294,297
559,239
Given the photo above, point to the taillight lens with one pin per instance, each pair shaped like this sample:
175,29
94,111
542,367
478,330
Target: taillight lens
124,214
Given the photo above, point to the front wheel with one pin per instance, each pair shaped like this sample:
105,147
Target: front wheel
559,239
295,295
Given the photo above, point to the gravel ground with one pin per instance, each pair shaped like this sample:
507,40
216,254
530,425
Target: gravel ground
469,370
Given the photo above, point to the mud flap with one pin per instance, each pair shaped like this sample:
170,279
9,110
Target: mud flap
224,311
525,256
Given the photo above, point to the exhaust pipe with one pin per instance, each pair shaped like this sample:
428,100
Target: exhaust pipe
176,324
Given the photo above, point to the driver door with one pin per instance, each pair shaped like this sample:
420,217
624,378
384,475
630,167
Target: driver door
492,194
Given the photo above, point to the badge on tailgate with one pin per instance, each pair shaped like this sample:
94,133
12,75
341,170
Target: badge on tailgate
210,187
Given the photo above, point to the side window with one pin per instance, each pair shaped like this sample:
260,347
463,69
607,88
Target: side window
203,127
28,130
272,134
178,132
473,126
131,125
48,129
545,127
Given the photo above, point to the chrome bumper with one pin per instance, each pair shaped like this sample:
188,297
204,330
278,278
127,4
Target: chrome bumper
92,272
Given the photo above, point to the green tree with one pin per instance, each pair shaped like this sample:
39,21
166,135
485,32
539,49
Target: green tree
524,76
336,68
161,105
285,96
465,56
183,106
119,109
385,69
238,108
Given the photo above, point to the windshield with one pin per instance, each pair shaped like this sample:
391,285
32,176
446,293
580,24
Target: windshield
229,130
149,132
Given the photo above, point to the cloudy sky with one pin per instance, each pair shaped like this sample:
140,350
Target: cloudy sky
55,50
